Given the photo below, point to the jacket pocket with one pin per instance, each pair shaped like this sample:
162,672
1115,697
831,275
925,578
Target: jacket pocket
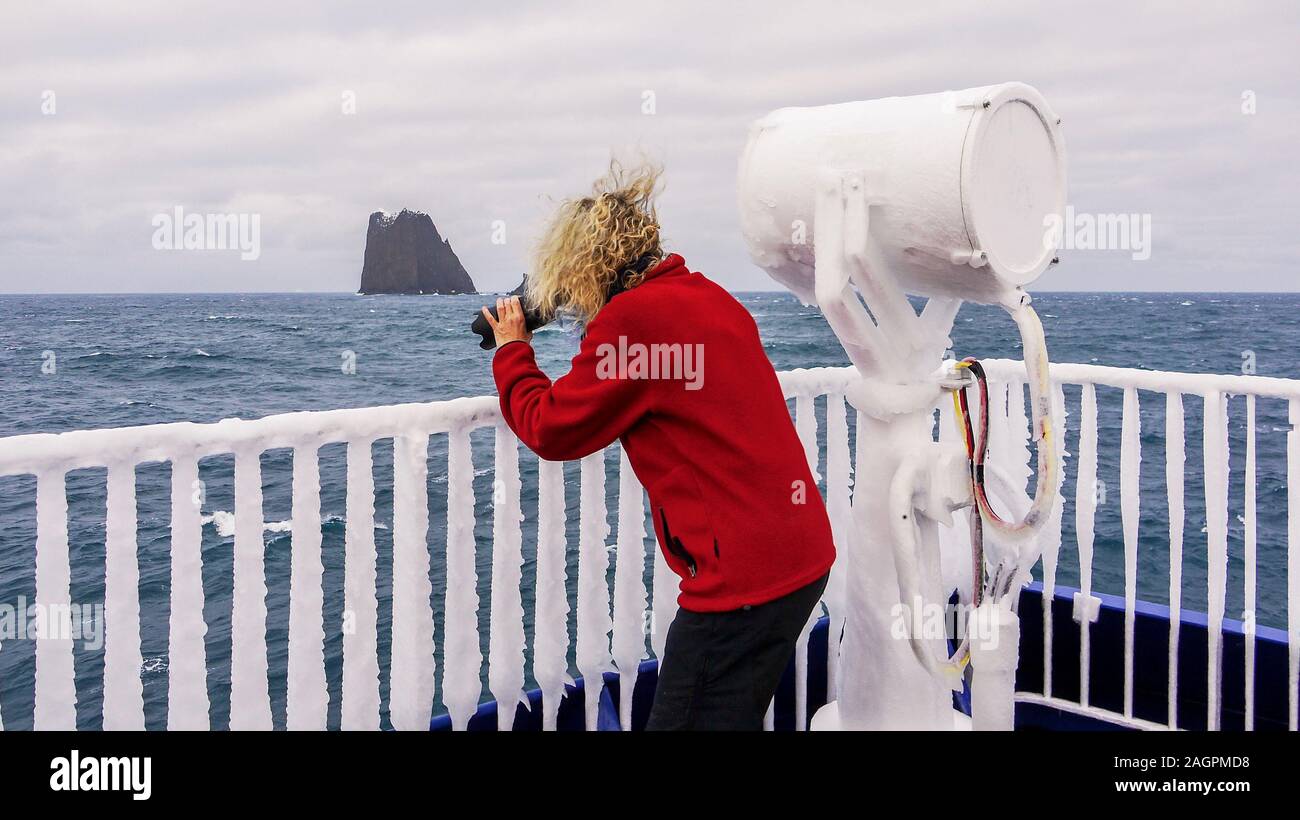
681,520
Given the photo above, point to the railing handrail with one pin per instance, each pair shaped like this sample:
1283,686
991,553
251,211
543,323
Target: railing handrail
80,449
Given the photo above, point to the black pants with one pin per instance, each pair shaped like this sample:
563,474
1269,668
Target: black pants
720,669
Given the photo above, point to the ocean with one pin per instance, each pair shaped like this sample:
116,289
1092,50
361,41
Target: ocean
73,362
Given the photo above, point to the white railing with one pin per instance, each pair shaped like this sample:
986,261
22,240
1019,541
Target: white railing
1212,393
611,623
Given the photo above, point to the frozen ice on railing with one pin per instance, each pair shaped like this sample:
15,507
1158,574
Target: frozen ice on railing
551,632
806,427
594,622
308,695
1216,520
462,658
1085,508
1293,562
506,640
56,692
838,488
412,672
1130,478
1017,448
250,698
123,691
665,586
360,650
1049,539
187,674
629,586
1175,459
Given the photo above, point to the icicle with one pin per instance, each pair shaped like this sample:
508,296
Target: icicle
1293,561
187,674
1050,537
666,586
56,691
551,630
1002,438
1175,459
250,696
506,641
806,425
593,590
838,484
462,660
1130,478
308,696
411,676
1216,521
629,587
1248,617
360,651
123,693
1085,507
1017,439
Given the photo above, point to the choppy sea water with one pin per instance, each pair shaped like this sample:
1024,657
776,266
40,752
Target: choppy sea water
141,359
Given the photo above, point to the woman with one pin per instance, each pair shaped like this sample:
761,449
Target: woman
672,366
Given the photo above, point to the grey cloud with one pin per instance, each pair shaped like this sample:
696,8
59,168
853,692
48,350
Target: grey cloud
490,113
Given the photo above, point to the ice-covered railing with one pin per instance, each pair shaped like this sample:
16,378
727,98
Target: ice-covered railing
611,620
1173,390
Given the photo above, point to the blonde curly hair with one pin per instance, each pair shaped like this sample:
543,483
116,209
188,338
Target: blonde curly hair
589,240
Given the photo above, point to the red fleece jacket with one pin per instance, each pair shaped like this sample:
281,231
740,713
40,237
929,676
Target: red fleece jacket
675,370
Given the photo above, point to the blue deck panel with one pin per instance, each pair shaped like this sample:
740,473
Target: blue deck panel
1106,678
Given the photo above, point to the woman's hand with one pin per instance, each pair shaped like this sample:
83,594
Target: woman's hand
509,324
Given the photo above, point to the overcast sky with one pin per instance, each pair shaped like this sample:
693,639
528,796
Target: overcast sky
480,112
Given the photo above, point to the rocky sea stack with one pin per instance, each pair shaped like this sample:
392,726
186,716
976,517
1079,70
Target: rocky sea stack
405,254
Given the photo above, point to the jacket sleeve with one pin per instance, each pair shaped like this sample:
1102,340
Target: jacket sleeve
581,412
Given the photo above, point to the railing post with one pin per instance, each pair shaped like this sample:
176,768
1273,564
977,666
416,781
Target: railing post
1249,516
1293,560
1051,537
806,427
250,697
462,658
308,696
1130,477
838,482
593,590
551,613
1085,507
187,673
629,588
506,627
1216,520
1175,460
411,676
360,643
123,692
56,689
